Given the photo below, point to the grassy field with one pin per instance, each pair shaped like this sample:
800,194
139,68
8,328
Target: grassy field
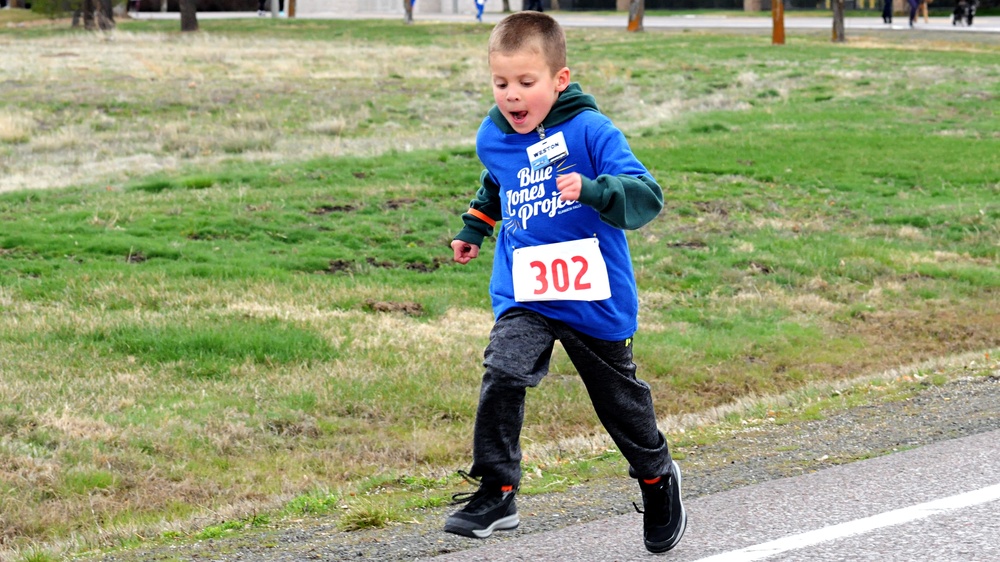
227,295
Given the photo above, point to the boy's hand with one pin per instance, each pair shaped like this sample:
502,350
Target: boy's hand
569,186
464,252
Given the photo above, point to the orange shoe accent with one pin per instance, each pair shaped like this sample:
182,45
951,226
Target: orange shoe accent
652,480
506,488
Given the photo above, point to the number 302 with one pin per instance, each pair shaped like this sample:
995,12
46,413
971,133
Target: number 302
560,275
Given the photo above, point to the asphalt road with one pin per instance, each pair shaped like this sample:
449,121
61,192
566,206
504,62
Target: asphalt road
938,502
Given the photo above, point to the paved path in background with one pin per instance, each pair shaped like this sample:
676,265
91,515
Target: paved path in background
938,502
578,19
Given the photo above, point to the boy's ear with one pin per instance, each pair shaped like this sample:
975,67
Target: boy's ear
562,79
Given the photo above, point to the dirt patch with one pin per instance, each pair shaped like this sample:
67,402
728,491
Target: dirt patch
328,209
408,308
912,335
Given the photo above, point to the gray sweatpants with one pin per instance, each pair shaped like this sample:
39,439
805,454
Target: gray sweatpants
517,357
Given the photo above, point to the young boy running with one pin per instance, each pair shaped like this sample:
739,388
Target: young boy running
563,184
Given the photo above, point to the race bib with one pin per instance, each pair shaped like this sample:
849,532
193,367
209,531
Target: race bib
566,271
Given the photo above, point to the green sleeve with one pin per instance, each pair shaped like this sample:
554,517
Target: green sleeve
486,203
626,202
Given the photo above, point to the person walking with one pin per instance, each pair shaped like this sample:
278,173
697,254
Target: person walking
886,11
535,5
913,12
480,6
562,186
922,9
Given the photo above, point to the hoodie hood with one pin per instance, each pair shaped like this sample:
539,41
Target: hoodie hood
571,101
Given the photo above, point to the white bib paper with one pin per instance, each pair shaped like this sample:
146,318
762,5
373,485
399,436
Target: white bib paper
566,271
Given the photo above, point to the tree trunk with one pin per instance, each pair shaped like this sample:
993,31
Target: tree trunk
838,21
88,15
408,8
506,6
189,15
106,16
636,11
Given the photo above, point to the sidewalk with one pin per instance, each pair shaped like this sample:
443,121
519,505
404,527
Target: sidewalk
990,24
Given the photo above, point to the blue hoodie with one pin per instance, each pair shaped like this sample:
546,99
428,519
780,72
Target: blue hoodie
618,193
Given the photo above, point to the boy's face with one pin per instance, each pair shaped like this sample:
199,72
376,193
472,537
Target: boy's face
525,88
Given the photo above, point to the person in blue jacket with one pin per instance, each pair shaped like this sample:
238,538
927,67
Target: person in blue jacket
561,186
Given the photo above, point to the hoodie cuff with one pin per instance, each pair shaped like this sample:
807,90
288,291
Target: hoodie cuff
471,236
590,192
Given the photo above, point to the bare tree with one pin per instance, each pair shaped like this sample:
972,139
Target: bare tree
189,15
87,11
506,6
106,16
96,14
838,21
408,8
636,11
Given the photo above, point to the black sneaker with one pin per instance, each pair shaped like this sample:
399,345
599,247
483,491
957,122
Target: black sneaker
489,509
664,519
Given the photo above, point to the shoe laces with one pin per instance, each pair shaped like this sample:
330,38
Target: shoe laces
652,493
481,494
466,497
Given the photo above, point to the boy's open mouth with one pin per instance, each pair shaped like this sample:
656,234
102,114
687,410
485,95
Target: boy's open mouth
518,116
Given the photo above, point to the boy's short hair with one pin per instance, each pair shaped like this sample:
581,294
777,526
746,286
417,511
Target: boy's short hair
533,31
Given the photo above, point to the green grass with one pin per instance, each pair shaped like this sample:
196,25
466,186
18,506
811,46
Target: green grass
256,320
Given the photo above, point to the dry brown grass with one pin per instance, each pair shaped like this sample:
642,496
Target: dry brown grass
109,108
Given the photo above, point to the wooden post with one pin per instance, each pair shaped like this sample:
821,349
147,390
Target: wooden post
636,11
777,22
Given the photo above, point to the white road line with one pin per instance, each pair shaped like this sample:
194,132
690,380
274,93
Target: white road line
858,526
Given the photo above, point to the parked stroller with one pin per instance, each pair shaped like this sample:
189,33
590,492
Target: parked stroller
965,10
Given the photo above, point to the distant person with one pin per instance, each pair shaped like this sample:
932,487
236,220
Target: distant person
913,12
480,5
922,9
535,5
262,7
886,11
561,185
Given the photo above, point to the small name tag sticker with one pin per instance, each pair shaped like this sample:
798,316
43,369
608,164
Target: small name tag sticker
567,271
548,151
